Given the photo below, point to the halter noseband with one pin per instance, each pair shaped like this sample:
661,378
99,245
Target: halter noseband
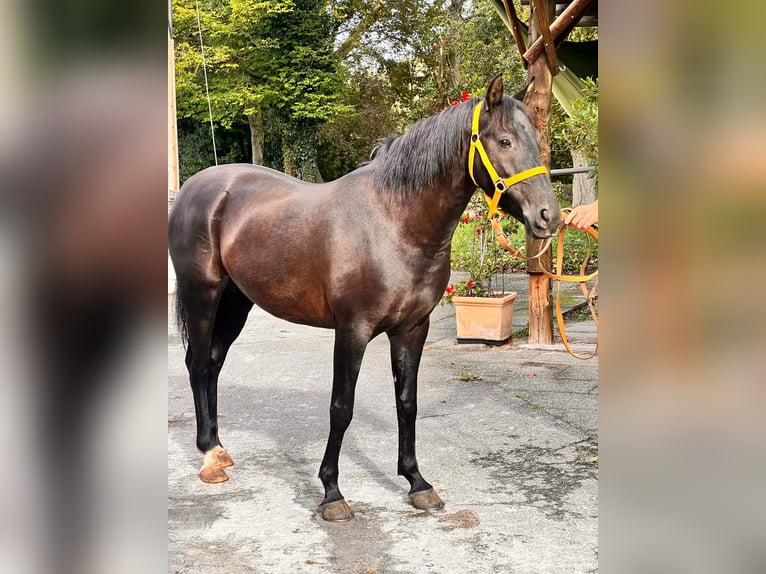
500,184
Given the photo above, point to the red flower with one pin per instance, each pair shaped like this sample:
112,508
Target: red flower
478,231
455,103
464,97
470,284
466,219
450,289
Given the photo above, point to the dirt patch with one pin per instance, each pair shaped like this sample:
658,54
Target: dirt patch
459,519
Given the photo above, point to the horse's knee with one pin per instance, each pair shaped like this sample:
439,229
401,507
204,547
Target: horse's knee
408,409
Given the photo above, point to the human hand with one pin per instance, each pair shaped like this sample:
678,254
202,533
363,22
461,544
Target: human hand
583,216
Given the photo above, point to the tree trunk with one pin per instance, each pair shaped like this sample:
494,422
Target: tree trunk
583,185
256,136
455,12
299,149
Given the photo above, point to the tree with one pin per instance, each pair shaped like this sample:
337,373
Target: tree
233,91
334,75
348,140
261,55
429,52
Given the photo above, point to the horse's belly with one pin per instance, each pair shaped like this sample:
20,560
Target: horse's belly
297,305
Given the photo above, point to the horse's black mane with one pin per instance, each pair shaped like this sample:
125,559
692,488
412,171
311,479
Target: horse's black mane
427,151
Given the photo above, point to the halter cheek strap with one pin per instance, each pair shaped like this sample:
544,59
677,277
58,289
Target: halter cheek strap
500,184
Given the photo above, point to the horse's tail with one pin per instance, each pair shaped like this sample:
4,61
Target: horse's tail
181,318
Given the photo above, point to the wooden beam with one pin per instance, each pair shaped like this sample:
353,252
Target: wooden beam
564,23
356,34
513,19
545,33
540,308
173,173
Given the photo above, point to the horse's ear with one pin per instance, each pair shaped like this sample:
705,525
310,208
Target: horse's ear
523,94
494,92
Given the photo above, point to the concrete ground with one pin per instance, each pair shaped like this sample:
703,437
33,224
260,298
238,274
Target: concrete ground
507,435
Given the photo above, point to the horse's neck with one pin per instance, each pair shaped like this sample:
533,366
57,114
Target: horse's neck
430,217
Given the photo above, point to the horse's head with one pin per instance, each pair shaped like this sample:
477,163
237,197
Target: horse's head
511,148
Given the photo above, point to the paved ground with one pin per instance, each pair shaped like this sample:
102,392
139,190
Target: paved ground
507,435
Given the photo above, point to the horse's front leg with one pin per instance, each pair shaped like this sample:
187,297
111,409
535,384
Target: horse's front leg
349,351
406,350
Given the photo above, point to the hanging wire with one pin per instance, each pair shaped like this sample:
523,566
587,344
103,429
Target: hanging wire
207,89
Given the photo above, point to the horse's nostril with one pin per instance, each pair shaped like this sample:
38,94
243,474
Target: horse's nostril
545,216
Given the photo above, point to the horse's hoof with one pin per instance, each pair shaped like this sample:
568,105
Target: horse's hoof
337,511
213,463
222,457
213,474
426,500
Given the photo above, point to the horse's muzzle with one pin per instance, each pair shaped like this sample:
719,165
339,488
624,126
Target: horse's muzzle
545,223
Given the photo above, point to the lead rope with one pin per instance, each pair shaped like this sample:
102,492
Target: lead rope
505,243
589,294
582,278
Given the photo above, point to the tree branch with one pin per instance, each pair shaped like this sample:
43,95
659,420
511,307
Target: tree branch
355,36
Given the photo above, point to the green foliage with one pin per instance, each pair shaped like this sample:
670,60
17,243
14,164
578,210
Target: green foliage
299,149
429,52
297,66
195,150
486,49
580,131
261,55
342,73
563,191
228,35
475,249
347,140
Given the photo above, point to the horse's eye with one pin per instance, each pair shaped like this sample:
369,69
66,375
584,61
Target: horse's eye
504,143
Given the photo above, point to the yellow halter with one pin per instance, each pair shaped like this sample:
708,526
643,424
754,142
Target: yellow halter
500,183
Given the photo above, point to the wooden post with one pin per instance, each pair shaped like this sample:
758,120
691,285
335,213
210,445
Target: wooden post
545,31
173,176
540,308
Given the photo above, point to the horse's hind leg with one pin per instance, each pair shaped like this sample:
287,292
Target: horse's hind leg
208,341
198,305
230,318
406,350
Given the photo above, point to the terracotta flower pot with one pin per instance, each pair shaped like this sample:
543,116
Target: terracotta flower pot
484,319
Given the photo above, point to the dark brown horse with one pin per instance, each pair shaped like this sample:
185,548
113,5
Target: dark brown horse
366,254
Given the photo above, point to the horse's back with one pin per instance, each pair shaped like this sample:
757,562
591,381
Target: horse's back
205,196
204,189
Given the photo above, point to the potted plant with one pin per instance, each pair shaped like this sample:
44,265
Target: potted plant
483,312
